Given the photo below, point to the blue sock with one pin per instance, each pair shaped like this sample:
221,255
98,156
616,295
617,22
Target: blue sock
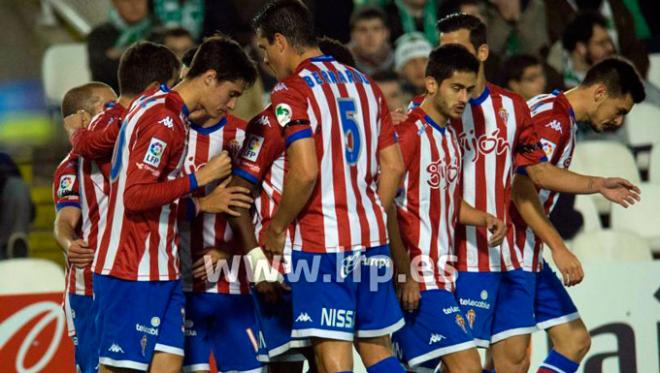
556,362
387,365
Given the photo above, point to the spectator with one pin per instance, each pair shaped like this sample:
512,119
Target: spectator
475,8
524,75
405,16
17,210
186,14
410,58
389,84
129,22
178,40
517,26
370,41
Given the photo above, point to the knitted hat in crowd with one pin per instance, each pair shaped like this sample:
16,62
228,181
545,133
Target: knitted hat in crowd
409,46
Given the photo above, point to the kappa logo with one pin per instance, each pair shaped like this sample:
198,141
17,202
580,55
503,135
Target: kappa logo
303,317
279,87
556,126
115,348
435,338
264,121
167,122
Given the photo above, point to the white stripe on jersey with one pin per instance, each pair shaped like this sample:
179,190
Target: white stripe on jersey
469,178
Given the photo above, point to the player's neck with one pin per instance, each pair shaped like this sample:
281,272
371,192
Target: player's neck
433,113
579,99
189,93
305,55
481,82
125,101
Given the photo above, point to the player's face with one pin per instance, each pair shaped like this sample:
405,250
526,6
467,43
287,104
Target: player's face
274,56
453,93
610,112
104,96
221,97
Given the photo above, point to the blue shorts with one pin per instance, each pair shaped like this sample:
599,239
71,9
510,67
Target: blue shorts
435,329
351,296
136,318
222,324
552,305
497,305
80,310
274,322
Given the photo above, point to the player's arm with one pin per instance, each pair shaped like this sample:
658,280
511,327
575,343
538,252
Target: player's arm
241,222
468,215
390,158
525,197
76,250
97,141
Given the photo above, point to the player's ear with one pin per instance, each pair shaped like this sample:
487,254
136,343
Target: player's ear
600,92
210,77
482,52
431,85
280,42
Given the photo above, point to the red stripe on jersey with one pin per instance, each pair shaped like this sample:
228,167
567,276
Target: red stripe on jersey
481,189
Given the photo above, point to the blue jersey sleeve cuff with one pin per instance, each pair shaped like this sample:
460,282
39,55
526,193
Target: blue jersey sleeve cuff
193,182
62,205
303,134
245,175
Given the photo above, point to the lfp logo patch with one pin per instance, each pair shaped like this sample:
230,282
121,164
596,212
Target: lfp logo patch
154,152
253,148
66,185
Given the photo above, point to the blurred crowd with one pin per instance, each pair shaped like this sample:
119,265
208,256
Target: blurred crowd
535,46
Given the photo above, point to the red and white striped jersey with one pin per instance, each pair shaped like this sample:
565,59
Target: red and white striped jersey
262,161
497,137
347,116
555,123
140,241
66,193
429,204
204,231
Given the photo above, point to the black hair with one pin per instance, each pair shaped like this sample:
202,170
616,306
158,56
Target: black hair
226,57
290,18
143,64
337,50
581,29
514,67
462,21
187,58
454,6
445,60
366,13
81,98
619,76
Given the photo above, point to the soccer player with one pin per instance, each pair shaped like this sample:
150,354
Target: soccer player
78,105
219,311
498,139
140,312
605,96
337,130
429,206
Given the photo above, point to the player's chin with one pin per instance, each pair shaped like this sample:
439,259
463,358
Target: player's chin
457,112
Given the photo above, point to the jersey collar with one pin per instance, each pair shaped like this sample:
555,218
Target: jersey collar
208,130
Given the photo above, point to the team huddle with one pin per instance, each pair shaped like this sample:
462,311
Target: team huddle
322,224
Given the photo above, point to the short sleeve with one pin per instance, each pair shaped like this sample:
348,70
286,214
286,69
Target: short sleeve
66,184
528,149
263,144
289,104
553,131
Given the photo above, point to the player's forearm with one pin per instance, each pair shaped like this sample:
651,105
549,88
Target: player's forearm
145,197
64,232
95,144
242,224
562,180
392,170
468,215
526,199
297,191
399,254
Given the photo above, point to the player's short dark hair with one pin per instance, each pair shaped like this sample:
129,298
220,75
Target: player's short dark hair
619,76
226,57
290,18
337,50
454,6
81,98
444,61
462,21
187,58
385,76
514,67
581,29
367,13
143,64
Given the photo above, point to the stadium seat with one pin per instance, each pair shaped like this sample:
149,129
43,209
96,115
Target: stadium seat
27,276
654,165
610,246
641,218
654,69
604,158
642,129
64,66
590,219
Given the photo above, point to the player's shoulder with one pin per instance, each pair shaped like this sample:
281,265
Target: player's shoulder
236,122
265,123
517,99
410,127
68,164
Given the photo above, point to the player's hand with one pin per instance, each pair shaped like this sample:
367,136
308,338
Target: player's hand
75,121
568,265
273,241
497,228
79,254
409,294
398,116
216,168
207,263
620,191
223,198
271,291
